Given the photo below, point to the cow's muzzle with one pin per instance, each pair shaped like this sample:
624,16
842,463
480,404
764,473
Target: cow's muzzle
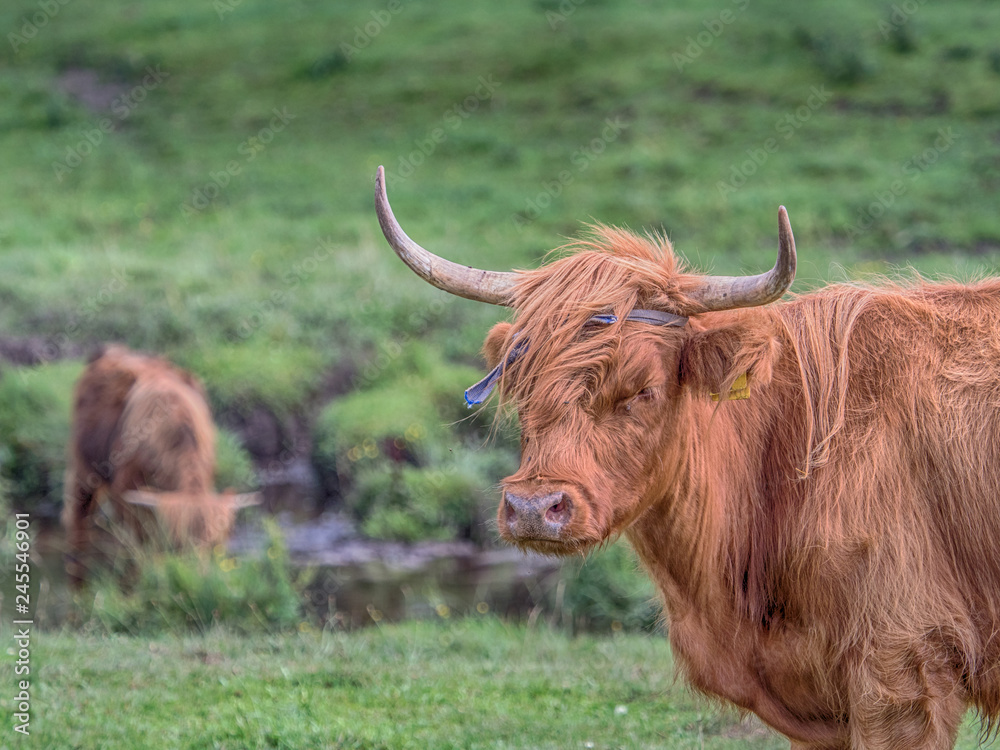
536,518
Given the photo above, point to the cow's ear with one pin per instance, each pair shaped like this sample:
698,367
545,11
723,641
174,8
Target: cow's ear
493,346
712,360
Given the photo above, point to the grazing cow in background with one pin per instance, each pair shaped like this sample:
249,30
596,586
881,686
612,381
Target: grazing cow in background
143,438
812,485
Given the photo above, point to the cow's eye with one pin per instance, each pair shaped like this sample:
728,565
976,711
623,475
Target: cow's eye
644,395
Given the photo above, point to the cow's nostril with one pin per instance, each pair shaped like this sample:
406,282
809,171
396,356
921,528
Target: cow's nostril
536,516
511,512
557,511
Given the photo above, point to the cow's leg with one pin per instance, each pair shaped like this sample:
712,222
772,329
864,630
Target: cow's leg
78,507
914,701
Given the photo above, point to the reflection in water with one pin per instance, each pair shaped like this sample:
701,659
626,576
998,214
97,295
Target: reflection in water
357,595
355,582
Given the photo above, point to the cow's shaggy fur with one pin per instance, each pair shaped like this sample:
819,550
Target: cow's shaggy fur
142,428
828,550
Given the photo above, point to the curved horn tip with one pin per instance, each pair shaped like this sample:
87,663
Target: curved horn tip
380,181
786,241
493,287
782,216
728,293
785,236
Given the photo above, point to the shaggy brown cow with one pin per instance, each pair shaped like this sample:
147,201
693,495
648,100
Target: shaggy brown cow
828,545
143,437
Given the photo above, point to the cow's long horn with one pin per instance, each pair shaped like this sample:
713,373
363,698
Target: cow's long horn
142,497
245,500
483,286
728,292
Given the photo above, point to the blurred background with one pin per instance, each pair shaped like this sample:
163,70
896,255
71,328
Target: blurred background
194,179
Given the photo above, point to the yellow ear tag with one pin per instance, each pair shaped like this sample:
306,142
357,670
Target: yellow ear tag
739,390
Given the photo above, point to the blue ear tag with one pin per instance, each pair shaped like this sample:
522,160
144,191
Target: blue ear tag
479,392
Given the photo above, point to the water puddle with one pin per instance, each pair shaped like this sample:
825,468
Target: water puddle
356,582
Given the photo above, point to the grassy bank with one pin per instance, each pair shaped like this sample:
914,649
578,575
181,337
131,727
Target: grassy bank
474,683
468,684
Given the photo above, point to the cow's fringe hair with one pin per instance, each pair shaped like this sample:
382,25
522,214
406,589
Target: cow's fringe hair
613,271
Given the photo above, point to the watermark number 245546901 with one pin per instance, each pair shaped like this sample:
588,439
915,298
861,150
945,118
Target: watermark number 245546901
22,625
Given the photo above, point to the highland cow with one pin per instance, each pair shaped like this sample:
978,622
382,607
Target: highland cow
812,484
143,439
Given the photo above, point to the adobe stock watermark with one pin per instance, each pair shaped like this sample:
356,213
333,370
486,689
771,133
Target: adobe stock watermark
224,7
786,127
557,18
278,298
714,27
451,120
202,197
62,344
899,16
911,170
121,108
23,622
134,436
581,159
363,35
47,10
390,349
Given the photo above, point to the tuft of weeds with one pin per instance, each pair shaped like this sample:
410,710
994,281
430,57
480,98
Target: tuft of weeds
607,592
150,592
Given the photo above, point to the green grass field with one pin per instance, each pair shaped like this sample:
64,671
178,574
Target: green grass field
194,178
467,684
